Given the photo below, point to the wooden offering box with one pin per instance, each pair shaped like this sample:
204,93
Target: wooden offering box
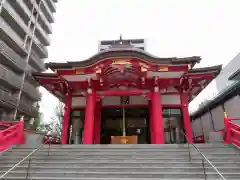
124,140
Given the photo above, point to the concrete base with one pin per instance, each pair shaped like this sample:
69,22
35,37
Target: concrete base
215,137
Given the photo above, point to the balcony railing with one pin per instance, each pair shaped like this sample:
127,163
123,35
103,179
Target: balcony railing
22,9
36,59
8,98
11,57
28,108
42,19
9,77
25,106
42,50
32,91
51,5
232,126
11,37
47,12
24,29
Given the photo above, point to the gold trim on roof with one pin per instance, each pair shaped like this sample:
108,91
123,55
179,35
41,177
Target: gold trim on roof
121,62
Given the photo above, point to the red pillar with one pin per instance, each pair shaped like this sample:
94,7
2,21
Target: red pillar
66,118
158,124
88,134
186,117
151,124
97,128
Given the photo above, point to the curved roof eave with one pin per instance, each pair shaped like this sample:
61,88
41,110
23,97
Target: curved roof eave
217,68
128,53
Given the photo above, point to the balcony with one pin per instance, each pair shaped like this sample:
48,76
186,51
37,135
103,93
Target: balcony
42,19
19,26
31,91
39,48
16,42
23,11
47,12
9,79
9,100
51,5
28,108
11,58
36,62
12,39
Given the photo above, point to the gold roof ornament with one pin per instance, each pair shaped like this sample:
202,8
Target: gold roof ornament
143,69
121,62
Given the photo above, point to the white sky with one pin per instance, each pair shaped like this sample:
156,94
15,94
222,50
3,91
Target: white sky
206,28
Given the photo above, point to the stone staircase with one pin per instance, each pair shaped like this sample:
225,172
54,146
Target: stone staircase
114,162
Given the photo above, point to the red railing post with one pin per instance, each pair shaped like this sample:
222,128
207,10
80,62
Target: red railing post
21,139
1,142
228,131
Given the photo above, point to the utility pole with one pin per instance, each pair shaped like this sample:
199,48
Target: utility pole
28,54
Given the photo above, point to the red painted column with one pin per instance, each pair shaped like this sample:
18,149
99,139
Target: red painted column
186,117
151,123
88,134
66,118
97,128
157,119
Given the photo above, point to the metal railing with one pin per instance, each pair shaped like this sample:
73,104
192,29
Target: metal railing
24,159
203,158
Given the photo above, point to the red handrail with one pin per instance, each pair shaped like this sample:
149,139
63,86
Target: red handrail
14,134
232,131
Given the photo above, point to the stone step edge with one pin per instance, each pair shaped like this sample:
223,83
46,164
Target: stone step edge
124,173
128,167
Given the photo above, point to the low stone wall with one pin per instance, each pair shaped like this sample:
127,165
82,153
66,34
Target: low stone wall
33,140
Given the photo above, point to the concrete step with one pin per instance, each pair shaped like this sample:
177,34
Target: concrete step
88,148
128,146
110,156
143,160
110,153
177,175
169,161
124,158
81,164
127,161
129,169
86,178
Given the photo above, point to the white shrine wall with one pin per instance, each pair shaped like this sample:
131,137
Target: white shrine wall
172,99
133,100
78,101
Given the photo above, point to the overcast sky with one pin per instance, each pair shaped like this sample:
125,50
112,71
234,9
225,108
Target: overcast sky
206,28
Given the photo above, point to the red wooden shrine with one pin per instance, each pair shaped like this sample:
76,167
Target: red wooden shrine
123,70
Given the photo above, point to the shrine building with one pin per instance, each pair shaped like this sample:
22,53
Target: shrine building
124,95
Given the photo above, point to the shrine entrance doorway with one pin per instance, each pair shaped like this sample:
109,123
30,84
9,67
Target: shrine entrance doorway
130,122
